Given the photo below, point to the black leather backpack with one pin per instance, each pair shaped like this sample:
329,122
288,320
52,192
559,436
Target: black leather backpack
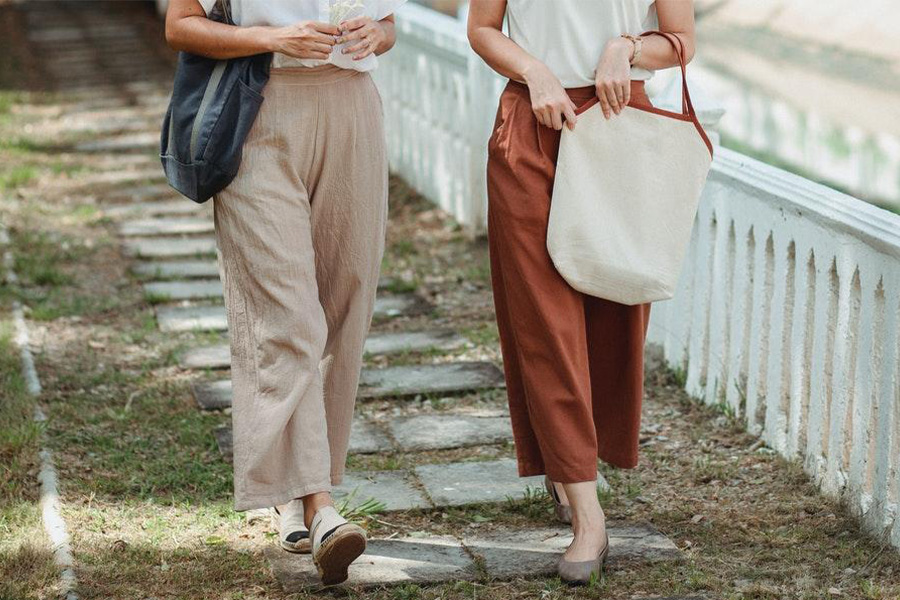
213,105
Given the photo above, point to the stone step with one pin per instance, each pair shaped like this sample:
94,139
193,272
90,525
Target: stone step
477,482
401,305
219,356
166,226
535,552
177,206
176,269
175,319
412,434
413,341
385,562
131,142
188,318
171,247
213,395
446,431
505,554
440,378
443,378
365,438
184,290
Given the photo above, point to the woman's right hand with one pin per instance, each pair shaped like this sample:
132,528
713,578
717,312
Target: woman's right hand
549,100
306,39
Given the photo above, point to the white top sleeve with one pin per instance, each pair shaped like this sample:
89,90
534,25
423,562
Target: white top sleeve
384,8
207,5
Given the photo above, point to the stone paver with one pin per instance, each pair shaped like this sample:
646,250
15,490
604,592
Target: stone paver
457,484
392,488
434,432
190,318
170,247
166,226
183,318
429,379
131,142
177,269
534,552
207,357
365,438
184,290
180,206
389,381
213,395
503,555
219,356
413,341
400,305
394,561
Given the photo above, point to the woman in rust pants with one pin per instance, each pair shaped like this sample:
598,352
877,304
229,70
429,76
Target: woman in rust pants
573,362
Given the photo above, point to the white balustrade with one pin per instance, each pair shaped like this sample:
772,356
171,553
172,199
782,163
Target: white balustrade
787,316
788,307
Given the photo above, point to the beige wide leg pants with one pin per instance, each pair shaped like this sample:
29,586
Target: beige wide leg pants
300,233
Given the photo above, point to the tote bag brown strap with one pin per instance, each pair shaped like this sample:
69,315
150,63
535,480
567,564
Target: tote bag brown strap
687,107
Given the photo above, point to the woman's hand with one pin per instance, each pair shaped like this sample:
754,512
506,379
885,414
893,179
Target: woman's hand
549,99
613,76
306,39
368,34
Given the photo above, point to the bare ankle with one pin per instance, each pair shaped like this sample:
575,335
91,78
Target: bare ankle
312,503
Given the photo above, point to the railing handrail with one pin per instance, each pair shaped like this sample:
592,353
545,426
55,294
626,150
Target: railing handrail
828,207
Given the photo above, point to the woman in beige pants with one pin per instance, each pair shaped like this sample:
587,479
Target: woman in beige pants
300,233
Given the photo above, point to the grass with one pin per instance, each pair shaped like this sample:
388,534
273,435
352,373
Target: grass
19,433
27,569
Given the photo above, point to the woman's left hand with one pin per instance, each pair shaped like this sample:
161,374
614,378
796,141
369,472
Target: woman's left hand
369,33
613,76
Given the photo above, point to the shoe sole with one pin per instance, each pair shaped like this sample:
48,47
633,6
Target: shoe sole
338,552
303,547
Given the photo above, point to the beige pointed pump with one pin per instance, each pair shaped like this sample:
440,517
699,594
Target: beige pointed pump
580,572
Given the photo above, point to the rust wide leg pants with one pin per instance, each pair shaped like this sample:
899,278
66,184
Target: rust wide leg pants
573,362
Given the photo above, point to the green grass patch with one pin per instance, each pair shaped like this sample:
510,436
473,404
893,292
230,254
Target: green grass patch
16,177
19,433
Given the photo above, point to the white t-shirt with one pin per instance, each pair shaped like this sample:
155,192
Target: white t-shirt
569,35
248,13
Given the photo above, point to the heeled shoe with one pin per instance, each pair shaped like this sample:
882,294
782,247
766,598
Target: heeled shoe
580,572
563,511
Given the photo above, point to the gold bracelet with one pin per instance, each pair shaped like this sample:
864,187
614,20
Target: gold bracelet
638,42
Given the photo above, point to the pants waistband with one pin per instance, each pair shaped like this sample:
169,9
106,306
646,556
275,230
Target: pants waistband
316,75
579,93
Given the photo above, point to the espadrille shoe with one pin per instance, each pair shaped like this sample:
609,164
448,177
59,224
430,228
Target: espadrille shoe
335,544
292,532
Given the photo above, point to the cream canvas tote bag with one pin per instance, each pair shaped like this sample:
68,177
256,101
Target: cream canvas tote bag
625,196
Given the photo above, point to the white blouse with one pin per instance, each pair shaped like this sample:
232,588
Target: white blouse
277,13
569,35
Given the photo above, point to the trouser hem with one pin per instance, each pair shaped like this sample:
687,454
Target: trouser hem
269,500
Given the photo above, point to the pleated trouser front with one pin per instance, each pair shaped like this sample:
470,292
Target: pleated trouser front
573,362
300,234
